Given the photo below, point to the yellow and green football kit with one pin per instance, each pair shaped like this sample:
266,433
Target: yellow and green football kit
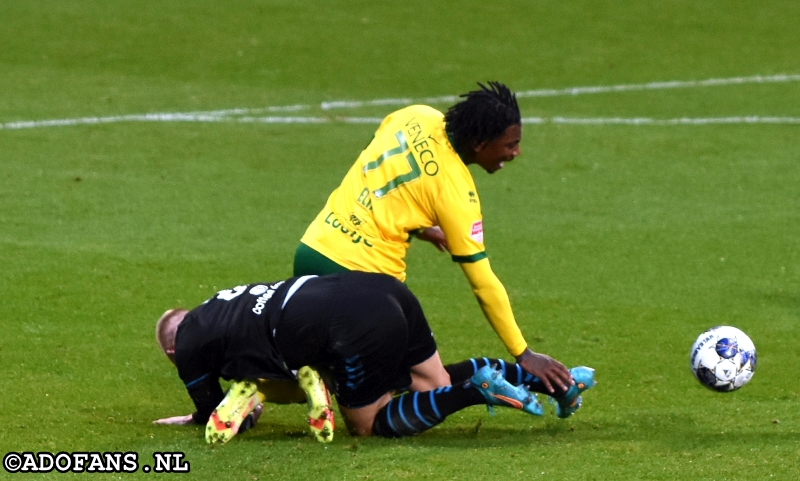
407,179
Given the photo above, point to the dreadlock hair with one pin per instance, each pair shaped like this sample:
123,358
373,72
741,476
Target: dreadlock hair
483,115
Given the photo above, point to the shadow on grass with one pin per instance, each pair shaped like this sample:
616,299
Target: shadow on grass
671,433
449,435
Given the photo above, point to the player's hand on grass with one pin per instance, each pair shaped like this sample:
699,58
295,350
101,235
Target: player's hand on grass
435,236
175,420
548,370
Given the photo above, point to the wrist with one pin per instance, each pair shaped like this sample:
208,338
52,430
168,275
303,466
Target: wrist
525,354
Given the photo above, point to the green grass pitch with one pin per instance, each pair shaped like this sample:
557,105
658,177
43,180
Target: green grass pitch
619,242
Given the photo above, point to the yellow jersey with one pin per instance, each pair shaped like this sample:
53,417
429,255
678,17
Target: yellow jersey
409,178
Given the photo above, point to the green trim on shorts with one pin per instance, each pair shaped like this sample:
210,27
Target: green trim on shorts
308,262
469,259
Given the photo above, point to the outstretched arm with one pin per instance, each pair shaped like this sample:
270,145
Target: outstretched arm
206,394
493,299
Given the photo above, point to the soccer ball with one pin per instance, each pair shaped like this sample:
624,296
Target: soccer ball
723,358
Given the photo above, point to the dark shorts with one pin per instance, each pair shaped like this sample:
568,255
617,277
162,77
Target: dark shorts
366,330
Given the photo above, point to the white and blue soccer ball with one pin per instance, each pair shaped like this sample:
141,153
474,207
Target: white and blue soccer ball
723,358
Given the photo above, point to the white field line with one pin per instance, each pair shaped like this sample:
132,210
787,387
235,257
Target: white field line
248,115
377,120
679,121
678,84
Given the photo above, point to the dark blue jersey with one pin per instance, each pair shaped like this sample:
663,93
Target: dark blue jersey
230,336
366,330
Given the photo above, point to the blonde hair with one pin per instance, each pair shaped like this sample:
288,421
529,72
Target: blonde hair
167,326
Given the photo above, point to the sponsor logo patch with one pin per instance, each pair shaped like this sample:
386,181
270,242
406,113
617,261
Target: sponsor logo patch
476,231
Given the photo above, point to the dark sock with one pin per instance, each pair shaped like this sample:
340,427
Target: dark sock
414,412
513,372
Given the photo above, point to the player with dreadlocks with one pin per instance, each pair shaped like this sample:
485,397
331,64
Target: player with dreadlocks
484,116
411,181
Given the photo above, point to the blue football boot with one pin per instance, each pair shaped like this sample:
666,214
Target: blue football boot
567,404
499,392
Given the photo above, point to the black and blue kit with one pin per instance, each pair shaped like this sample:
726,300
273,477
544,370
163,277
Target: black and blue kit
363,331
